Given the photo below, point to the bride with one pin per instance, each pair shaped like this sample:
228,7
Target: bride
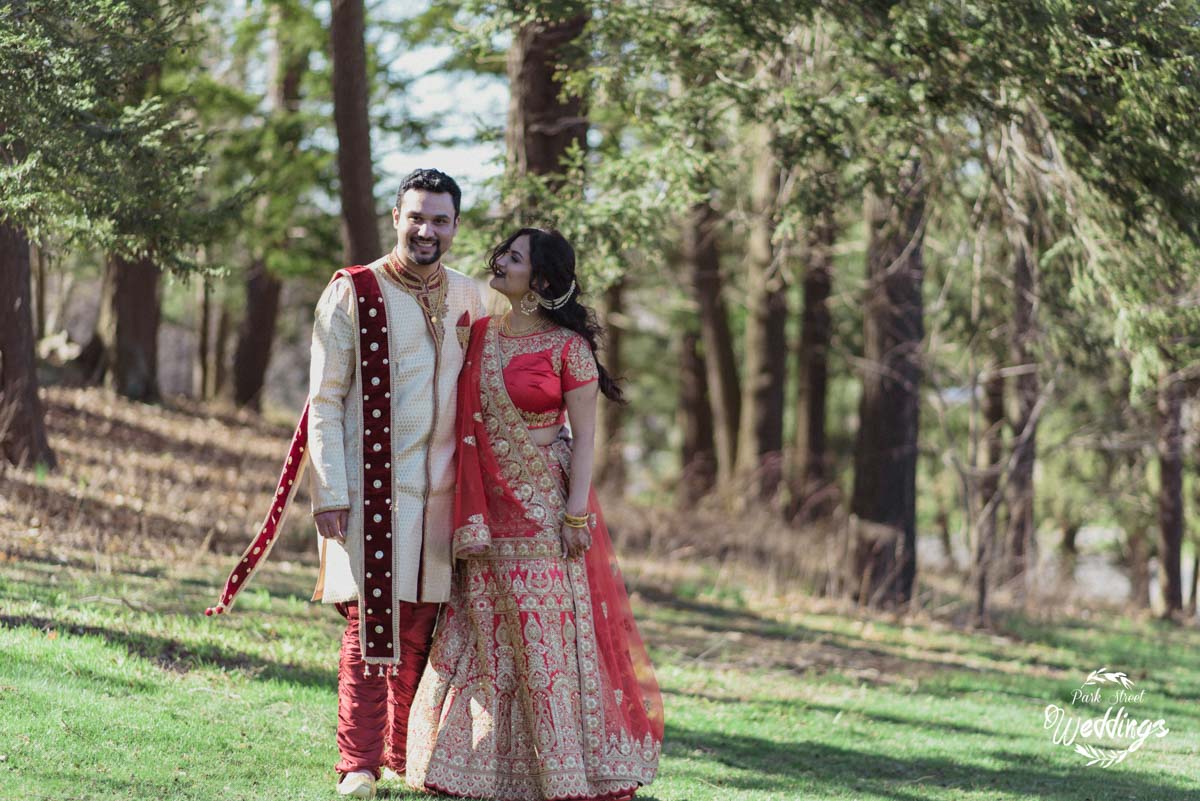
538,685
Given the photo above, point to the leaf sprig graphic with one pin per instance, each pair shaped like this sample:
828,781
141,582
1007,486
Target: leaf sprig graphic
1105,757
1103,675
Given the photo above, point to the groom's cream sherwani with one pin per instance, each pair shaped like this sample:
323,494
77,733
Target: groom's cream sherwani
424,382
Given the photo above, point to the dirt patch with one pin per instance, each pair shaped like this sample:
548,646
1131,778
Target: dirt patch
158,482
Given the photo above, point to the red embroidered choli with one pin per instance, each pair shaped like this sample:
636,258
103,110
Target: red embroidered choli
540,368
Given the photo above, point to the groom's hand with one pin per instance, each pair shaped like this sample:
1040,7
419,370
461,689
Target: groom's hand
332,524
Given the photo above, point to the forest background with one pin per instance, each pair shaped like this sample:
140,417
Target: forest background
867,270
906,296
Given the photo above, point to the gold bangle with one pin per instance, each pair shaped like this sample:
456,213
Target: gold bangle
571,524
570,518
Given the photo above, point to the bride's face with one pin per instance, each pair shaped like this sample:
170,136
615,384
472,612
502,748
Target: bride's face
511,274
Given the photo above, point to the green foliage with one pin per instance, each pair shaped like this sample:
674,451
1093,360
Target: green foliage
91,146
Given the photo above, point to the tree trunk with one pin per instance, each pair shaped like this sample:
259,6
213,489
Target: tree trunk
884,557
257,333
39,296
988,498
1138,550
201,374
253,351
699,463
813,496
22,422
128,327
610,457
703,260
1021,524
1191,608
542,122
220,362
1070,533
1170,494
760,438
943,526
351,93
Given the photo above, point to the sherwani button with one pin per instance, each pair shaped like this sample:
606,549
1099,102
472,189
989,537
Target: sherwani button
378,518
379,554
377,592
373,312
378,447
379,629
374,346
378,483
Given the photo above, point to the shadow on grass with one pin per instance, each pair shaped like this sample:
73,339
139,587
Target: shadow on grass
399,793
786,706
173,655
1144,646
84,423
713,617
781,766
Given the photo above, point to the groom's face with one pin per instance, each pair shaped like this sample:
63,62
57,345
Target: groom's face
425,226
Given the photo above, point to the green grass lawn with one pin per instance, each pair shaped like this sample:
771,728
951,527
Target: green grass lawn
113,685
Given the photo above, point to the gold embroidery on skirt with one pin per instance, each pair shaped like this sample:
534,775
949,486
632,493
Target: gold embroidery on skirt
513,704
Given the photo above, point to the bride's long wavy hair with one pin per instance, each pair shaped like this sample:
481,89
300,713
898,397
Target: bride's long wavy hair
552,269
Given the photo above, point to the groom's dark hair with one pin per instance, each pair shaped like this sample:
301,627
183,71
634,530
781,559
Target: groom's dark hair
431,181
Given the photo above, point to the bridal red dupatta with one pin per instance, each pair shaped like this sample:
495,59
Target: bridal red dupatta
510,503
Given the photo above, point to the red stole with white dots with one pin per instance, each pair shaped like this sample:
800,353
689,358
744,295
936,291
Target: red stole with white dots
376,602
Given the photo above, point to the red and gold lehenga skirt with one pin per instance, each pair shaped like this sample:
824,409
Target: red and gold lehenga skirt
538,685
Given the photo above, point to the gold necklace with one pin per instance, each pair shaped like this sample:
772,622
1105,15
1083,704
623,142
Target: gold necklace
430,295
540,324
512,345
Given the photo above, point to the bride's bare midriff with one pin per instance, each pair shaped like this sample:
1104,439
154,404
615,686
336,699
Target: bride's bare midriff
544,436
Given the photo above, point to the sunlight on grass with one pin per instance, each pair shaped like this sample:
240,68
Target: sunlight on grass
113,685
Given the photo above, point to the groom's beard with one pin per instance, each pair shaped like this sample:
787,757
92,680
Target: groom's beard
424,261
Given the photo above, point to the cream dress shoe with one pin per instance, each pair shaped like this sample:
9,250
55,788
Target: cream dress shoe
359,784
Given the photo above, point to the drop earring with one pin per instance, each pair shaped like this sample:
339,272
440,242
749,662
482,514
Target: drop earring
529,303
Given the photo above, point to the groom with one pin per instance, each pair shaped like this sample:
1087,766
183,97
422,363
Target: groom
387,347
378,431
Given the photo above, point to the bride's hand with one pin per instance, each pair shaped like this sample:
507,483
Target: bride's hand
575,540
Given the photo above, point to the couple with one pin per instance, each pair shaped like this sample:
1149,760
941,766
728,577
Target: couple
489,650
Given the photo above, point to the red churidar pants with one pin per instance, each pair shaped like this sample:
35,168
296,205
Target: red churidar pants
373,710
